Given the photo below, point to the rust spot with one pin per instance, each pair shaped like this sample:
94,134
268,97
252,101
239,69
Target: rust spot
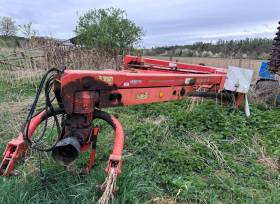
84,83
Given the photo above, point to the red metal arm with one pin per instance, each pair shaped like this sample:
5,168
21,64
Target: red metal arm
129,87
17,147
149,63
143,80
115,159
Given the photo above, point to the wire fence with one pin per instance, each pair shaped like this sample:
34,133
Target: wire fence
28,63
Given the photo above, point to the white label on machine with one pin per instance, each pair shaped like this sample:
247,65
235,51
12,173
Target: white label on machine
238,79
172,64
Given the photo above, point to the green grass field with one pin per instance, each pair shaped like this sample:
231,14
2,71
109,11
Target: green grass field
210,154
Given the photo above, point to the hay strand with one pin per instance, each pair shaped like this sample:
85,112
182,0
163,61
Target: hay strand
109,187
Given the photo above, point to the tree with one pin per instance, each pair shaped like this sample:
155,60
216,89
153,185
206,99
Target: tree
7,27
108,30
27,30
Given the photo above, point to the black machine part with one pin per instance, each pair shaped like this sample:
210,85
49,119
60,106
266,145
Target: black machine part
274,61
66,150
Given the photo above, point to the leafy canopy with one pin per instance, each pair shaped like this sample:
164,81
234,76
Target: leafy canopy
108,30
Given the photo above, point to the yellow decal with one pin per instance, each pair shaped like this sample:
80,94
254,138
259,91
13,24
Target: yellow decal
142,96
161,94
107,79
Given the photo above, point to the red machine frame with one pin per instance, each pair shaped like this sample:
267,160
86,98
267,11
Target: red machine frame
140,81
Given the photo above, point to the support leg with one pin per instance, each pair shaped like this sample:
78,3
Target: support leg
93,149
15,149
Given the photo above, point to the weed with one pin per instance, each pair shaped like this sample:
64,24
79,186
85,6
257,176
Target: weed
209,154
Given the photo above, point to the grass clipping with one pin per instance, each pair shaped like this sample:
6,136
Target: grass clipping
108,187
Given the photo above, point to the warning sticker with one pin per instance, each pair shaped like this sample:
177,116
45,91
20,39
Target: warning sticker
142,96
107,79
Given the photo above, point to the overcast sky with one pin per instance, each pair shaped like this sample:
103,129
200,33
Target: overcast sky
165,22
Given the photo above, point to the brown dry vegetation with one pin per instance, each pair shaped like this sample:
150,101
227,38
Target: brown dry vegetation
220,62
27,64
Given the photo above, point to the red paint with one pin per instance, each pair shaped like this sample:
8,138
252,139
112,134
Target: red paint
141,81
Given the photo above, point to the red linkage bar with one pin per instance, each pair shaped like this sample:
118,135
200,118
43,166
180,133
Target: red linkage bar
163,64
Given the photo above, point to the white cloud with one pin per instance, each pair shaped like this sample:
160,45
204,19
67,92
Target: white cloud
165,21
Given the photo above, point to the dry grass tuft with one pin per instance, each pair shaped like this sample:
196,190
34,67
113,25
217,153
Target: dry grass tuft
157,121
211,145
195,101
271,162
159,200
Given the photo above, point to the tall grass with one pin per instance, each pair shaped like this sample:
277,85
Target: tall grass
209,154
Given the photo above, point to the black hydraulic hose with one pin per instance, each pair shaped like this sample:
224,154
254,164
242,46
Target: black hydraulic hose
56,111
104,116
226,96
30,115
